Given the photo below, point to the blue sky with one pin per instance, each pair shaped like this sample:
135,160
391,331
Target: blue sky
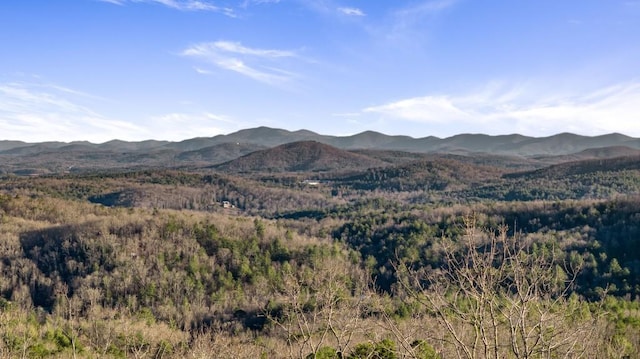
98,70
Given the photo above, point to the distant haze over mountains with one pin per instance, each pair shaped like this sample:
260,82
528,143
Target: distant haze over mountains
560,144
345,151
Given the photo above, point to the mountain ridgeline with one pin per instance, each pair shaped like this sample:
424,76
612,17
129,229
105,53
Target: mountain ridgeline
277,150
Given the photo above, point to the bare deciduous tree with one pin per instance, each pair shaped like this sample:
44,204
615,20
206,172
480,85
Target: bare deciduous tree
499,296
321,305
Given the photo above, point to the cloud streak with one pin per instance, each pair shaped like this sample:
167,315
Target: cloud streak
408,23
499,110
40,112
263,65
237,48
44,112
182,5
351,11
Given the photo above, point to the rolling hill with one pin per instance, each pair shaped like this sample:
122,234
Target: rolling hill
580,167
435,173
305,156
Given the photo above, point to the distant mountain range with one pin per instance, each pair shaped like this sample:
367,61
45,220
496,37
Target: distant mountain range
277,149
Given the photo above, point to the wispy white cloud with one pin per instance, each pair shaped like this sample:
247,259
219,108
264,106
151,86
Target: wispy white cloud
247,3
351,11
423,8
500,109
237,48
34,112
116,2
407,23
43,112
262,65
202,71
182,5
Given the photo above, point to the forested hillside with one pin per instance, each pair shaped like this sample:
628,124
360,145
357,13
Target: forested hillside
403,255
